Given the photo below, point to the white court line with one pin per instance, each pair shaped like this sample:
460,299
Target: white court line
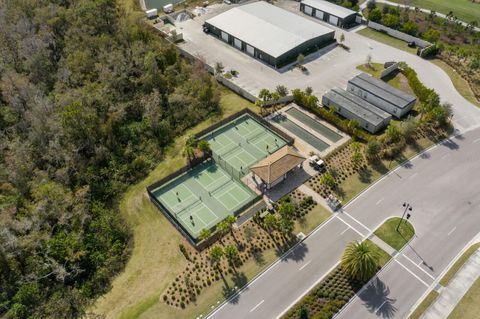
419,279
357,221
306,264
426,273
477,140
258,305
378,202
413,175
343,232
350,226
450,232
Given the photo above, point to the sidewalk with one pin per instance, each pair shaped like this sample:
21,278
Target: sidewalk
456,289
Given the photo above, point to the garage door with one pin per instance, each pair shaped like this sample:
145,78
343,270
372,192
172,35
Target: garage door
319,14
308,10
237,43
250,50
224,36
333,20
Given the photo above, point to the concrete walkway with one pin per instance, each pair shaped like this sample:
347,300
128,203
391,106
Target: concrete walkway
316,197
456,289
380,243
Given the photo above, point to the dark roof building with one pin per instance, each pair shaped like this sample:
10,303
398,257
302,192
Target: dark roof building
269,33
350,106
329,12
382,95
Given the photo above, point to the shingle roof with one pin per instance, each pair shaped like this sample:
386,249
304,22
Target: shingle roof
278,164
363,109
382,90
268,28
329,7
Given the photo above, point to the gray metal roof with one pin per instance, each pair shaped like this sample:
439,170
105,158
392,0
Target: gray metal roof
382,90
330,8
363,109
268,28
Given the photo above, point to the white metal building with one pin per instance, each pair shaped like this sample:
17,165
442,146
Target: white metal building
329,12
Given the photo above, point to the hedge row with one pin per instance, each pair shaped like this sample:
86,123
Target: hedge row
420,90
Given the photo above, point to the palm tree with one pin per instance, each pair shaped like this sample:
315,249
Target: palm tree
286,209
204,146
270,222
216,254
360,261
205,234
231,252
223,227
285,226
230,220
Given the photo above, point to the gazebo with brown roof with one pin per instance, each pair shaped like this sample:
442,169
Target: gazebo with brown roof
275,168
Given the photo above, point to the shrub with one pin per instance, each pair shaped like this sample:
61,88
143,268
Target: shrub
184,251
375,15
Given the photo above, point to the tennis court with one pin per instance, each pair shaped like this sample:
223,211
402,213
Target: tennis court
242,143
203,196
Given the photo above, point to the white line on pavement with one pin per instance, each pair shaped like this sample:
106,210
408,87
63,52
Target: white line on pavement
357,221
350,226
413,175
423,282
343,232
445,156
450,232
406,257
378,202
477,140
306,264
258,305
378,309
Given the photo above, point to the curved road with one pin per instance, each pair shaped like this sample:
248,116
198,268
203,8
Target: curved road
442,185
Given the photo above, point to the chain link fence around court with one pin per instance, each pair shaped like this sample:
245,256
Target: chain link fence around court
236,174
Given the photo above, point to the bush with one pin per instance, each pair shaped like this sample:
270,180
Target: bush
375,15
184,251
420,90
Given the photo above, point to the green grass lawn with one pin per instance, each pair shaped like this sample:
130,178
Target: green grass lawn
318,215
429,299
389,234
465,10
458,264
384,256
395,79
469,305
386,39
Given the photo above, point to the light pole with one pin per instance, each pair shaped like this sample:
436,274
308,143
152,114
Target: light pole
407,207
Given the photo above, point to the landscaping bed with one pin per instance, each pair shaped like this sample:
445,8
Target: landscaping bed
458,264
332,293
429,299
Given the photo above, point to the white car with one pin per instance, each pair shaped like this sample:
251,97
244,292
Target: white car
317,163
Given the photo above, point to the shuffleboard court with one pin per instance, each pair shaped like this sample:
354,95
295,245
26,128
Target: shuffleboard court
203,196
314,124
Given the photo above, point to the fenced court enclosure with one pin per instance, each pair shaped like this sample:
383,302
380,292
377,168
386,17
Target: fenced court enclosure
202,197
241,143
199,197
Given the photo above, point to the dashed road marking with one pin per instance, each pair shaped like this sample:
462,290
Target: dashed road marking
451,231
350,226
413,175
477,140
258,305
343,232
306,264
378,202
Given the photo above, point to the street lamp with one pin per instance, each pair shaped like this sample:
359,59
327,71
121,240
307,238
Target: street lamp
409,208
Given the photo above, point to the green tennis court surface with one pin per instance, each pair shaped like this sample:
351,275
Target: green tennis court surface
242,143
203,196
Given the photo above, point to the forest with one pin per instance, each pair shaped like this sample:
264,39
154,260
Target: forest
89,100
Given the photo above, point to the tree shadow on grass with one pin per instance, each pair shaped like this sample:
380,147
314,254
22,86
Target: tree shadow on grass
376,300
365,175
258,257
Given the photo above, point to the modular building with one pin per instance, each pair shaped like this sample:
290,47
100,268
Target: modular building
382,95
269,33
329,12
350,106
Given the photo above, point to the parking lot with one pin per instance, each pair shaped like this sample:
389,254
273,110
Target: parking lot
254,75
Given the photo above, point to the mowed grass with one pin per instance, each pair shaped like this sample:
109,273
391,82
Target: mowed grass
386,39
315,217
384,257
458,264
395,79
465,10
396,238
156,258
429,299
469,305
461,85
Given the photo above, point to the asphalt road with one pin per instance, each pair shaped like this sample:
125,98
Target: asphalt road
440,187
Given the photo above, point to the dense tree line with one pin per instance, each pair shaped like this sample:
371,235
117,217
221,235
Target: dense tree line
89,98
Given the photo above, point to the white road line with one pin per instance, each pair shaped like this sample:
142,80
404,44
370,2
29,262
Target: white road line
343,232
406,257
350,226
378,202
477,140
357,221
258,305
420,263
445,156
419,279
413,175
306,264
378,309
450,232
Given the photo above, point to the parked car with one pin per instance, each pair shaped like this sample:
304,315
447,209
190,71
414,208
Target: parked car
317,163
